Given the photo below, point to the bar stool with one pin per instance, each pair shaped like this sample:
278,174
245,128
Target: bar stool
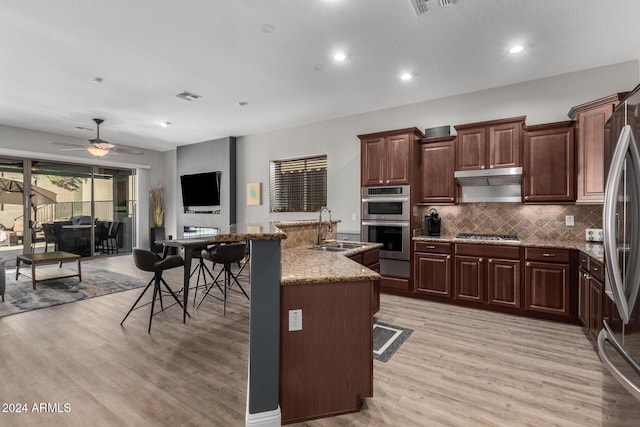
202,269
226,255
149,261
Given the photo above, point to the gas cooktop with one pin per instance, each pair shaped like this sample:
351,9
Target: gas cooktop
478,236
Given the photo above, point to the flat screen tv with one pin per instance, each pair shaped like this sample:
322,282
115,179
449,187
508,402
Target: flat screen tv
201,189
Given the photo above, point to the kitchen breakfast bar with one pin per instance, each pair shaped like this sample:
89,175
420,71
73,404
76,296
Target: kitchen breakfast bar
327,284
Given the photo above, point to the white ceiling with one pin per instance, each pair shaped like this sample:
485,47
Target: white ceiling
147,51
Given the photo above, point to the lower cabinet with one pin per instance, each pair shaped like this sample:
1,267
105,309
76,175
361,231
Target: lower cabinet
432,269
371,260
592,309
529,281
547,281
488,274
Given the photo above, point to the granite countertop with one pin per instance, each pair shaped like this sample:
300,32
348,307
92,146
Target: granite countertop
594,250
233,233
302,222
303,265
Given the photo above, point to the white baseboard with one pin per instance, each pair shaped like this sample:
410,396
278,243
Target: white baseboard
264,419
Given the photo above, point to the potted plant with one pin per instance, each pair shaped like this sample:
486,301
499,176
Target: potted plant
156,195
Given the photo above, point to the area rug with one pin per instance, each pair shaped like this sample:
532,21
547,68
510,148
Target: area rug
20,295
387,339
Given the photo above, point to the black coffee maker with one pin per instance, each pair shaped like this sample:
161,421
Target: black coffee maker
432,223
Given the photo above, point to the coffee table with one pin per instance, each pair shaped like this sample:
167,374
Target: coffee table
49,258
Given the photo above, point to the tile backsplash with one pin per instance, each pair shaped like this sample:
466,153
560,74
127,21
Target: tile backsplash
527,221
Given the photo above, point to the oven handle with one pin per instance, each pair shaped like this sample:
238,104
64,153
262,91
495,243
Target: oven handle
386,199
393,224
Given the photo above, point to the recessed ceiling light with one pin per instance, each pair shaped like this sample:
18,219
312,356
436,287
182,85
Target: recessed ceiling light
339,56
516,49
165,124
267,28
406,76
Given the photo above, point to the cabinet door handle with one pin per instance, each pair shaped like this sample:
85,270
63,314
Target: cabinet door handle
595,268
480,260
528,264
482,167
452,199
490,260
448,256
549,255
387,181
526,197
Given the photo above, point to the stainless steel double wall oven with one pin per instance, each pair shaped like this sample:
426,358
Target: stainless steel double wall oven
386,218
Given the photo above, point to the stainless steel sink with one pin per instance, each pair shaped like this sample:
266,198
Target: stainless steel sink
338,246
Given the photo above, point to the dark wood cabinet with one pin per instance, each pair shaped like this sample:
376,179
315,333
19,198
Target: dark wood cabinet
592,304
583,296
547,281
432,269
469,278
325,358
371,260
437,163
549,163
596,293
386,157
590,120
503,282
488,145
488,274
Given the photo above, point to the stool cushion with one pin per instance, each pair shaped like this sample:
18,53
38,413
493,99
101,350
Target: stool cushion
150,261
225,254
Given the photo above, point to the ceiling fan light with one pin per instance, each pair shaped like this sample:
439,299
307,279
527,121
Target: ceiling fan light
97,151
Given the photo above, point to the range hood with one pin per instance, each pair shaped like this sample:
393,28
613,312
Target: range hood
489,177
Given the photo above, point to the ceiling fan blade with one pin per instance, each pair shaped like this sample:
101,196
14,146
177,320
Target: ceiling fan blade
122,150
67,144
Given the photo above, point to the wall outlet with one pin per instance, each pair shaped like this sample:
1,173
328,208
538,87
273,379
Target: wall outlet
295,320
594,235
569,220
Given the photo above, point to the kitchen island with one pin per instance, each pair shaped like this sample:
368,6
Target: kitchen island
326,350
326,367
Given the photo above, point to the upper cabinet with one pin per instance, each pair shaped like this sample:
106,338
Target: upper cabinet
549,163
590,119
387,157
488,145
437,161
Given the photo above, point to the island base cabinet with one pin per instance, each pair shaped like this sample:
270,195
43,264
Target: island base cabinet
327,367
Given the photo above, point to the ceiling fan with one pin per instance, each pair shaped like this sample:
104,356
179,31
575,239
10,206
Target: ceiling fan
98,147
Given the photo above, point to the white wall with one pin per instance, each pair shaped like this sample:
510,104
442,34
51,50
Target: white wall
542,101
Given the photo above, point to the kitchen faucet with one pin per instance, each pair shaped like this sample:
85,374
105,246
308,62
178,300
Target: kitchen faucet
320,238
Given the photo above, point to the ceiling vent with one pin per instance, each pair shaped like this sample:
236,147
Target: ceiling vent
419,6
188,96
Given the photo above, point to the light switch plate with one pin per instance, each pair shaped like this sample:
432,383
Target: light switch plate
295,320
569,220
594,235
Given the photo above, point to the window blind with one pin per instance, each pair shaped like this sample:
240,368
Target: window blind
298,185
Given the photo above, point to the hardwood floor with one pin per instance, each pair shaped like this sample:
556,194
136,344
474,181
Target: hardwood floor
460,367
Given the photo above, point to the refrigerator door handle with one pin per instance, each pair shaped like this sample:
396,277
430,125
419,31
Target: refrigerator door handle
625,145
606,335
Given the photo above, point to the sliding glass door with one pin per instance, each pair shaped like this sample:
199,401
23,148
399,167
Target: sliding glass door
83,209
12,219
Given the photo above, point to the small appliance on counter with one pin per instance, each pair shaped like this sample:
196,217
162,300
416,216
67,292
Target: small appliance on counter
432,223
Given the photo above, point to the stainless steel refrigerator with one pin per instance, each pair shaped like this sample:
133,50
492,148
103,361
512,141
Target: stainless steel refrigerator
619,340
